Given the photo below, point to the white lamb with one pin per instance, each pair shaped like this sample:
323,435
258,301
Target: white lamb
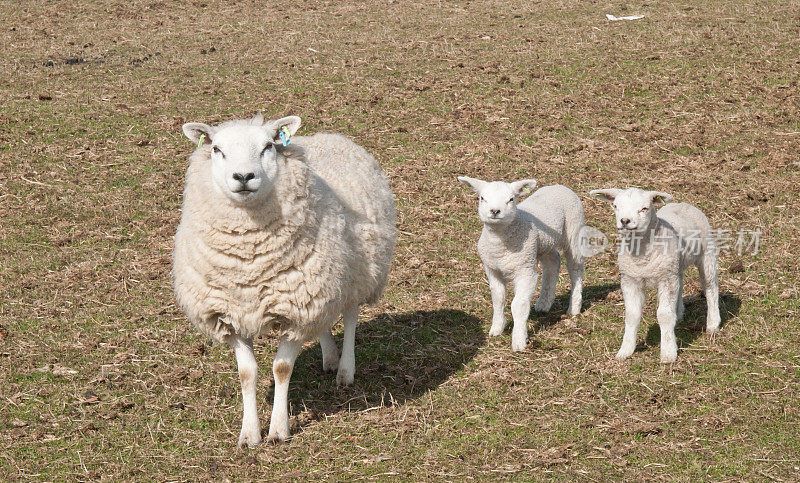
516,236
282,238
656,249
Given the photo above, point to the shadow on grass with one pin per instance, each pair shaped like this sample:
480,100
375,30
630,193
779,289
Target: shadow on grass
591,296
398,357
693,324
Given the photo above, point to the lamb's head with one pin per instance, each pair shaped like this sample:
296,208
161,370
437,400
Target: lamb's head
497,203
244,154
634,208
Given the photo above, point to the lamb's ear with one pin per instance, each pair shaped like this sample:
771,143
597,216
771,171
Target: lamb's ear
523,187
257,120
606,194
292,124
659,197
475,184
198,133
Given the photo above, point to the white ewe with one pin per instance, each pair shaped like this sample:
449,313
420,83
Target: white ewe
515,236
281,238
656,249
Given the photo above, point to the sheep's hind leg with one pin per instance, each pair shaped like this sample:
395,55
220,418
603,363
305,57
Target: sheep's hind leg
250,434
575,267
551,264
347,363
282,369
709,279
330,354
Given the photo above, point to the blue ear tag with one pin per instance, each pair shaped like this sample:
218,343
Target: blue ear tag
284,133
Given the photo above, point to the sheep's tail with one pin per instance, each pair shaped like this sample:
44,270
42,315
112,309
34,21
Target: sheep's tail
576,235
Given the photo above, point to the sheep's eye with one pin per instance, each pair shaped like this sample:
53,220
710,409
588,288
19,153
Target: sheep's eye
511,200
481,197
643,210
217,151
266,147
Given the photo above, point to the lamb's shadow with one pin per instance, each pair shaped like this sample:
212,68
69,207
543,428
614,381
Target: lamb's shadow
398,357
591,296
693,324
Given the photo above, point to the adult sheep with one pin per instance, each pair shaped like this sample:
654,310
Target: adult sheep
280,238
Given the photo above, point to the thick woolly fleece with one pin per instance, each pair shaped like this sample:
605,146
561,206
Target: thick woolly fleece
320,242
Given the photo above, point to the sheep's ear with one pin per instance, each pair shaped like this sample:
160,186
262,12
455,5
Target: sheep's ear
257,120
659,197
475,184
523,187
197,132
607,194
292,123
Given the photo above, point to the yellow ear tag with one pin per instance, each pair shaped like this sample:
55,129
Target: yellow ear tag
200,141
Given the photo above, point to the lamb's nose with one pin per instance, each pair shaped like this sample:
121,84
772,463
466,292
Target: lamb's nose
243,178
494,212
625,221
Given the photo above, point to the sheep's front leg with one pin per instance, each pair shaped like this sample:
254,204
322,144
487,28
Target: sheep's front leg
498,288
250,434
282,369
347,364
633,295
667,294
330,354
524,287
551,265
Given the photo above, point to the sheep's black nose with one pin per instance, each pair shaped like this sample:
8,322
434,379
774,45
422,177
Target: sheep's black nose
625,221
494,212
243,178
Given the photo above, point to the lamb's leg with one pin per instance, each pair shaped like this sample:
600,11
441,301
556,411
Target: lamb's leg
633,295
575,267
498,289
347,364
282,369
667,294
330,354
250,434
679,307
551,265
709,278
524,287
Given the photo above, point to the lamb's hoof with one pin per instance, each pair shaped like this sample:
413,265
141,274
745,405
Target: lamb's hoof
623,354
330,366
275,439
249,439
712,332
668,357
542,308
344,377
495,331
519,345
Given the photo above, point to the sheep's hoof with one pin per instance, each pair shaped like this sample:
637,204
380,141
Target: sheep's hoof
249,439
330,366
275,439
519,345
623,354
495,331
669,357
344,377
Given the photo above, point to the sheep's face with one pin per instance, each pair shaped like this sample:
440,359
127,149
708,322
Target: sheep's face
497,200
634,208
244,157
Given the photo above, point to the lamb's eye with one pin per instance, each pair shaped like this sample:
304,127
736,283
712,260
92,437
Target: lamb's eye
217,150
266,148
643,210
511,200
482,200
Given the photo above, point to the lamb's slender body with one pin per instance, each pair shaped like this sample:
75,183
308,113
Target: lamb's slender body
517,236
280,239
657,248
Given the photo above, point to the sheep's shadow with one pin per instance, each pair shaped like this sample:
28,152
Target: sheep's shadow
398,357
693,324
591,296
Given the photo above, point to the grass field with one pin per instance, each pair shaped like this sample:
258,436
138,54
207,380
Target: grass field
101,377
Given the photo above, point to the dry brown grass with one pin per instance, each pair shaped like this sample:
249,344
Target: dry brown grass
103,378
